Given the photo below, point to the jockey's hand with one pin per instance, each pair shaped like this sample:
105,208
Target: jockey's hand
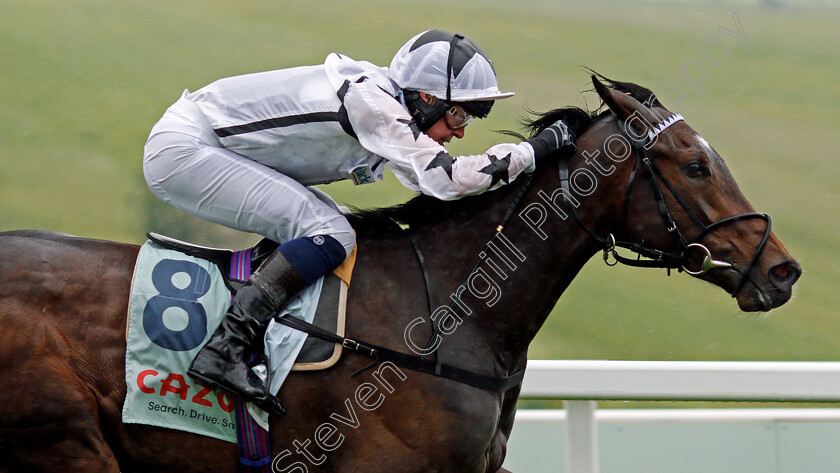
555,137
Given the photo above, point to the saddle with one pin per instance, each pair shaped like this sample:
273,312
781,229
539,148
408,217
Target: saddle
316,354
220,257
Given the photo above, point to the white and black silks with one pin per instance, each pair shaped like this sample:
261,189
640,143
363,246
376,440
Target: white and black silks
344,119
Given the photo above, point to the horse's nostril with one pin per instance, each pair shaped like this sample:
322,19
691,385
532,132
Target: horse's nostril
784,275
782,271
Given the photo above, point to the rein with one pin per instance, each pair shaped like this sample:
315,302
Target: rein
659,258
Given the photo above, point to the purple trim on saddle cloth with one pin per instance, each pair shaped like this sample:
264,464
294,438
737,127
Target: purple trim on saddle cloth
240,264
254,448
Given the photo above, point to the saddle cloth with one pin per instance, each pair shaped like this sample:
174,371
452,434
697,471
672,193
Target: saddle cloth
178,297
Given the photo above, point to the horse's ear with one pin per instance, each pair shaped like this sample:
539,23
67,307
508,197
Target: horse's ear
625,106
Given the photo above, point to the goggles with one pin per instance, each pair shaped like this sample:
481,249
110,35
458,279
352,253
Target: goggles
457,117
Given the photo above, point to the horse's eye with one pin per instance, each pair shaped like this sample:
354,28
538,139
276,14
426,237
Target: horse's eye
695,170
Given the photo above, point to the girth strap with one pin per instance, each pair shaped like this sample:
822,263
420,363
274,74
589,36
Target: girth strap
410,362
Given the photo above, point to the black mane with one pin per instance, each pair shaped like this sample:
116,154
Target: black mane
421,210
424,210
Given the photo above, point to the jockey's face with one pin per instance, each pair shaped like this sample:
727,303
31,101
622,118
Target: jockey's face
441,131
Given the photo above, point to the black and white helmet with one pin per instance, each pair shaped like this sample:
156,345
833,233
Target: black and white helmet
447,66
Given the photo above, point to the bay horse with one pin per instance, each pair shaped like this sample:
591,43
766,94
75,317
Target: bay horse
658,189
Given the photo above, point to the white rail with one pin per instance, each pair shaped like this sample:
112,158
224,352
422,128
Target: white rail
581,383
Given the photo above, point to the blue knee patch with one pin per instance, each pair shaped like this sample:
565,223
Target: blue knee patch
313,257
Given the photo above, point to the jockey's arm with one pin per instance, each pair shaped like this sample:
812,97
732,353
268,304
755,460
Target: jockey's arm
385,128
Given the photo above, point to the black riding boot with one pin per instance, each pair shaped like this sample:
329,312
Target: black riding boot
222,361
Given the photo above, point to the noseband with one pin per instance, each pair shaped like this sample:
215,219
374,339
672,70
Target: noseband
659,258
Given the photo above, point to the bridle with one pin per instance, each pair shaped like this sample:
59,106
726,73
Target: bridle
659,258
654,258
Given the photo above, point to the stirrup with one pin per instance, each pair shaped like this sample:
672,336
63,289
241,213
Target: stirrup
271,405
266,402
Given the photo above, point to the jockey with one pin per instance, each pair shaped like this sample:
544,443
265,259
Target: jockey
244,152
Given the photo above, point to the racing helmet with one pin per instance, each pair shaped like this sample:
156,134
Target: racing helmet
449,67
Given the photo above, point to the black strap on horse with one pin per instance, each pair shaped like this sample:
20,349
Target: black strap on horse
382,354
482,256
658,258
433,367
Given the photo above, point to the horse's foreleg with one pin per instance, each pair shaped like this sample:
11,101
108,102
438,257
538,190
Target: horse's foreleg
498,447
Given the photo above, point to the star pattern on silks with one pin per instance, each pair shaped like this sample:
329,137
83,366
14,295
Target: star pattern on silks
498,169
442,160
413,125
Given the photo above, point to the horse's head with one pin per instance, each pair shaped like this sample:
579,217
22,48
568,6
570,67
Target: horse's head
673,200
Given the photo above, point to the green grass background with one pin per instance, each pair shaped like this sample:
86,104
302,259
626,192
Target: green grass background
83,81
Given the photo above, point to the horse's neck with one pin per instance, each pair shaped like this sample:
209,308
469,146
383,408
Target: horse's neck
517,284
524,274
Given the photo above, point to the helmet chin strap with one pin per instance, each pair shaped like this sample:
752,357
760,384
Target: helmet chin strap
424,114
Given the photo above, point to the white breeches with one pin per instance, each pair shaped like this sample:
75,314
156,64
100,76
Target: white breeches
186,167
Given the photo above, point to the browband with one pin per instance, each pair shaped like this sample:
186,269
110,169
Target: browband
663,125
639,141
